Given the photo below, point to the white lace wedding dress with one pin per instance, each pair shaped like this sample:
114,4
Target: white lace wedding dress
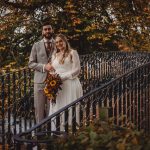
71,88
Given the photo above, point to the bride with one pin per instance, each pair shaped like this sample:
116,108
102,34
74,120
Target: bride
66,63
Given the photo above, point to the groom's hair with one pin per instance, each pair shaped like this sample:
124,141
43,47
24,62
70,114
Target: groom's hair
46,22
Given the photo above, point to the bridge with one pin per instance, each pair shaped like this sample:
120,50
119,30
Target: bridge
117,82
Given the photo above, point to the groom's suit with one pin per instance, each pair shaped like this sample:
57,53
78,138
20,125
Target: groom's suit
39,57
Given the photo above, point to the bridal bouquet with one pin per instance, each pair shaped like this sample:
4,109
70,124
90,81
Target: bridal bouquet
53,84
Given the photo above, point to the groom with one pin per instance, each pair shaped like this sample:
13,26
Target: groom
39,61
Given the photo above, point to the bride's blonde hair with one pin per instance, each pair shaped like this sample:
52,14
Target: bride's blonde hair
66,51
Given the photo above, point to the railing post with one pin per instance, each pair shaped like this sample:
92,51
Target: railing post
14,102
2,121
73,119
58,122
9,108
66,120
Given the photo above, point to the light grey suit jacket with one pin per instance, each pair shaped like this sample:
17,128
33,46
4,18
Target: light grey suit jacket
38,58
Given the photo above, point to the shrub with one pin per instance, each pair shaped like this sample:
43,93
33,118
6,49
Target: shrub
105,136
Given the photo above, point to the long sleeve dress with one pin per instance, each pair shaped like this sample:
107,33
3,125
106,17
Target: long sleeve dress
71,87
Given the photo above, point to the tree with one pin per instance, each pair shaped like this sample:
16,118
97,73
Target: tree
97,25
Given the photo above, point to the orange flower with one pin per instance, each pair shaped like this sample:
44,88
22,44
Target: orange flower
46,90
50,95
53,83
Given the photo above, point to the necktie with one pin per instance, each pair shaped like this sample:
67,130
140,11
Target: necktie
48,46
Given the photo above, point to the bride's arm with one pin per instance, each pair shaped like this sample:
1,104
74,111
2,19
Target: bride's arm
74,72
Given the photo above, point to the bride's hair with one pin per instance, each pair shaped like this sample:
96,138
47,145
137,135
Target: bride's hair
67,50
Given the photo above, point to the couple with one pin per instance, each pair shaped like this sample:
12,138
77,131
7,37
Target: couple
54,55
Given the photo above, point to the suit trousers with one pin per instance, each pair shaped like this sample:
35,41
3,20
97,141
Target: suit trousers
41,103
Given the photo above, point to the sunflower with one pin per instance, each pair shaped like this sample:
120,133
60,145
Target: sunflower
53,83
46,90
50,95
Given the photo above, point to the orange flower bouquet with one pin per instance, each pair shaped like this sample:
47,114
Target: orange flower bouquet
53,84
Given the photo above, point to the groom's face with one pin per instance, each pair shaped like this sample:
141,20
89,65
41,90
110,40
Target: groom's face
47,31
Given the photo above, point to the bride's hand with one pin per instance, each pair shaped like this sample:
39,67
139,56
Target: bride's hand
49,67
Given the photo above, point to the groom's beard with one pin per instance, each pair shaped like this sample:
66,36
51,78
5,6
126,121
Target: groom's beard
48,36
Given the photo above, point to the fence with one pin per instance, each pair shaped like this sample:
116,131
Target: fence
127,99
16,88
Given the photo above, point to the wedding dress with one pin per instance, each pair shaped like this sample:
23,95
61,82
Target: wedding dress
71,87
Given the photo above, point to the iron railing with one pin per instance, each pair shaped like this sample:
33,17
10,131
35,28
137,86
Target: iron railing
16,88
127,98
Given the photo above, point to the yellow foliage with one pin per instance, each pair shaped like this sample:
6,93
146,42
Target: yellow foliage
63,30
87,29
120,146
78,30
2,48
2,37
76,21
134,141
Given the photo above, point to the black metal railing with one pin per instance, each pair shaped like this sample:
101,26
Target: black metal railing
127,99
16,88
101,67
16,113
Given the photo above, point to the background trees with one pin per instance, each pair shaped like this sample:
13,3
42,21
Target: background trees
91,25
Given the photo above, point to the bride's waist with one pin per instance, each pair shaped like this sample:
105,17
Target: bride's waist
61,71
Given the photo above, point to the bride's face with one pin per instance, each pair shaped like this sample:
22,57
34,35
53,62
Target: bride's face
60,44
